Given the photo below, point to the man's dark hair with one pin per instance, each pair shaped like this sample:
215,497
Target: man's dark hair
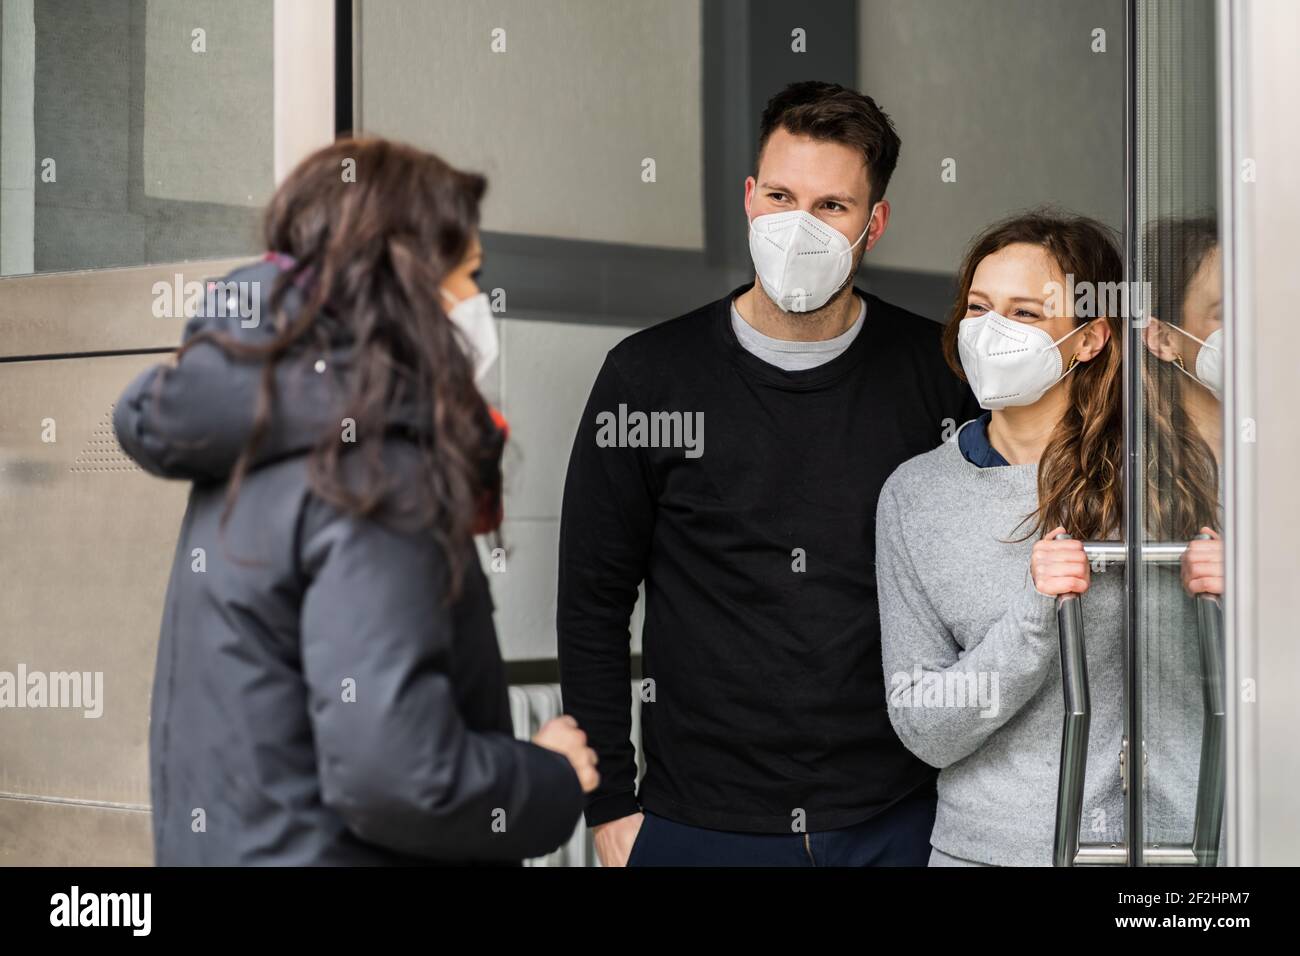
828,111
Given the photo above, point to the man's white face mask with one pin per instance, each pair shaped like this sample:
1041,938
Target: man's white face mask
473,318
801,261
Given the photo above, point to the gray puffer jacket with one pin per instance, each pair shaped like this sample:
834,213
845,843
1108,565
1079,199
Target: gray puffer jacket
316,701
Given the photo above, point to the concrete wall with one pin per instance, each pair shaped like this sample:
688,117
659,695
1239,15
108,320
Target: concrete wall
1010,90
558,102
161,153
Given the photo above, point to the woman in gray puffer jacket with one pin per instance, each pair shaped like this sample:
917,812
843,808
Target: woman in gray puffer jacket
329,688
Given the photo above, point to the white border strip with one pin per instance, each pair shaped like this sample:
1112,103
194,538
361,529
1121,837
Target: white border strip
304,80
1240,650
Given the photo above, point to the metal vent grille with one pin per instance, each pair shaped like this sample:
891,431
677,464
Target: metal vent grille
532,705
101,452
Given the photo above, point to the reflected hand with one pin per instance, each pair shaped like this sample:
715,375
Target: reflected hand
1202,565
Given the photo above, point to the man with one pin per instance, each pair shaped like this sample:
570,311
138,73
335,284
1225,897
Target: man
764,729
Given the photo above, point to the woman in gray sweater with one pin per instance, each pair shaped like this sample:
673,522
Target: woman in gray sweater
968,560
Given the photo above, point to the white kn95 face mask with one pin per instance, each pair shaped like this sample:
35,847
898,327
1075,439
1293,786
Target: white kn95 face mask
800,260
473,317
1008,362
1209,361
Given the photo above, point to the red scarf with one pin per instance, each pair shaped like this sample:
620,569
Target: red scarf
492,512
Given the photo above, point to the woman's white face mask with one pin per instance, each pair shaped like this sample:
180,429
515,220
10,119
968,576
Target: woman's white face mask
1007,362
473,318
1209,361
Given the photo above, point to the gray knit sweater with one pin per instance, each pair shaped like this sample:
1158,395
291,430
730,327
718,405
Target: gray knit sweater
972,661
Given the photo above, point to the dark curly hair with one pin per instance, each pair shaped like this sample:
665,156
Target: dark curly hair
835,113
369,253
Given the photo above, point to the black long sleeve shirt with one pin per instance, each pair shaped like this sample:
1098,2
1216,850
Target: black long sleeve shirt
761,643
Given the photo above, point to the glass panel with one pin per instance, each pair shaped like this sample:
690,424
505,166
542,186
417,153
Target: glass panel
582,84
1178,430
132,132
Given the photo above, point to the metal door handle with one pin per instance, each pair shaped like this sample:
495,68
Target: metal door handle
1074,728
1204,849
1212,778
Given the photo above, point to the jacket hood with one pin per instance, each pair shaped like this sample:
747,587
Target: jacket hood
192,419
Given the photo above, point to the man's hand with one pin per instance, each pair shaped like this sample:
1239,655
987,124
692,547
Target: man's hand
563,735
614,839
1203,565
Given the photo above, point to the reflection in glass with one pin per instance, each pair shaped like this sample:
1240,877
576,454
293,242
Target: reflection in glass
133,133
1178,433
1182,382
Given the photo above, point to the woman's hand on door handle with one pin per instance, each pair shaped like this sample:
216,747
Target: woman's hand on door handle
1059,567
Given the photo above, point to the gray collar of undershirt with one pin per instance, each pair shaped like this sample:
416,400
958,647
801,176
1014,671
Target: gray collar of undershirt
795,356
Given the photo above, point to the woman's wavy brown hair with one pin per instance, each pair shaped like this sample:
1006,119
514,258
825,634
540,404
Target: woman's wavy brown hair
369,253
1182,474
1080,482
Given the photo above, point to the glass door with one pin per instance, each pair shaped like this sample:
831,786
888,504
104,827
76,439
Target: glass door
1172,756
1175,439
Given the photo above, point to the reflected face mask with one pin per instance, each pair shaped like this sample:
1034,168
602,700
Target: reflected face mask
1209,361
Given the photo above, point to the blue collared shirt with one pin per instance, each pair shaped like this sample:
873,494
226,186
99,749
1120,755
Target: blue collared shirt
973,442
